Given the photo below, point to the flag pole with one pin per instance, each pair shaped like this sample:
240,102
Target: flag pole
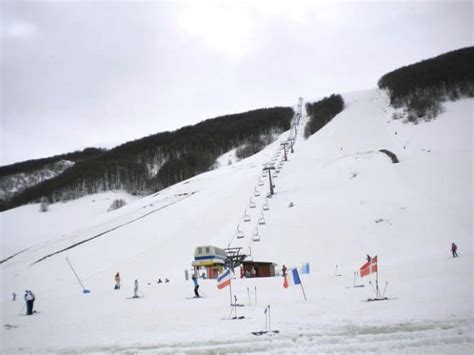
302,289
230,290
377,279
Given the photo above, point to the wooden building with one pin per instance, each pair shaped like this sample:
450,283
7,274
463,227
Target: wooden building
262,269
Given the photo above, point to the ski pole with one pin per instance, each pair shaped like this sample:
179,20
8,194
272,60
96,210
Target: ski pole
22,308
269,319
370,282
384,289
266,319
231,310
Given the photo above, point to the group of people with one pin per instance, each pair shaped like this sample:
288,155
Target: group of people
30,297
117,285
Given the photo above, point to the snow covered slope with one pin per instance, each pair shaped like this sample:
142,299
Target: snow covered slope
347,200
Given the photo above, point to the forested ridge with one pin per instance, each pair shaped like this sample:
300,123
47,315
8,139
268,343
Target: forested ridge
152,163
421,88
322,112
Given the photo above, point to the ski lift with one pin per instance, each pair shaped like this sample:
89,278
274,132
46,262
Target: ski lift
256,193
260,182
246,216
239,234
261,220
264,174
252,204
266,207
256,236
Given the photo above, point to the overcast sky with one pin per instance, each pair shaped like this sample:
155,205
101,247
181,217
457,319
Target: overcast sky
87,73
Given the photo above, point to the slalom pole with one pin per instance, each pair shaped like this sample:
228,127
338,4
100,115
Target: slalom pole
269,319
370,283
377,281
248,293
84,290
385,289
266,319
302,289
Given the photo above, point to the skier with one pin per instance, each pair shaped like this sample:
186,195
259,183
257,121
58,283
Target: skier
454,249
117,281
196,286
13,296
283,270
166,280
135,289
369,258
159,281
29,299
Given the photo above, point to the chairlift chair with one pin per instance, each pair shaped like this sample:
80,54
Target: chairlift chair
266,207
256,193
256,236
260,182
261,220
239,234
252,204
246,217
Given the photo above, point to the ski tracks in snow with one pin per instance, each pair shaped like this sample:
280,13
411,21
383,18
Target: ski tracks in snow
450,336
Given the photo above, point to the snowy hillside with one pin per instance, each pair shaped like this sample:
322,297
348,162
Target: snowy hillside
14,183
337,199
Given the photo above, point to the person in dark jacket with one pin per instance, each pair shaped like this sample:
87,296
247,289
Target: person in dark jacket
117,281
30,300
454,249
196,285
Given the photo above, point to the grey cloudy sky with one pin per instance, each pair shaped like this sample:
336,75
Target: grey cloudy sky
89,73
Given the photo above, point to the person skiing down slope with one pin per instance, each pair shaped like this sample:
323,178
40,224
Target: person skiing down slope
196,285
454,249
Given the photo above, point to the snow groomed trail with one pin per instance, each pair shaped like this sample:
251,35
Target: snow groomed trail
337,198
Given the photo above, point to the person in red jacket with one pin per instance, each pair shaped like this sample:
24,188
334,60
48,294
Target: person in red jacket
454,249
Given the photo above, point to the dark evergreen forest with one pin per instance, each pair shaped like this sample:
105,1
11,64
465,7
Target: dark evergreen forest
321,112
423,86
152,163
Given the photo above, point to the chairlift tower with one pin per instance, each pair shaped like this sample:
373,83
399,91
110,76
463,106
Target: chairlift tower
269,170
292,143
284,144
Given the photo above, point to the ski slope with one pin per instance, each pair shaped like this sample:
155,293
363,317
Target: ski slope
348,200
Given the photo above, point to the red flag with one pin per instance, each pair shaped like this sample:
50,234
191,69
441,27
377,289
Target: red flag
369,267
373,264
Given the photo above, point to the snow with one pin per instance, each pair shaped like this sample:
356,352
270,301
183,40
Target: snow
348,200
